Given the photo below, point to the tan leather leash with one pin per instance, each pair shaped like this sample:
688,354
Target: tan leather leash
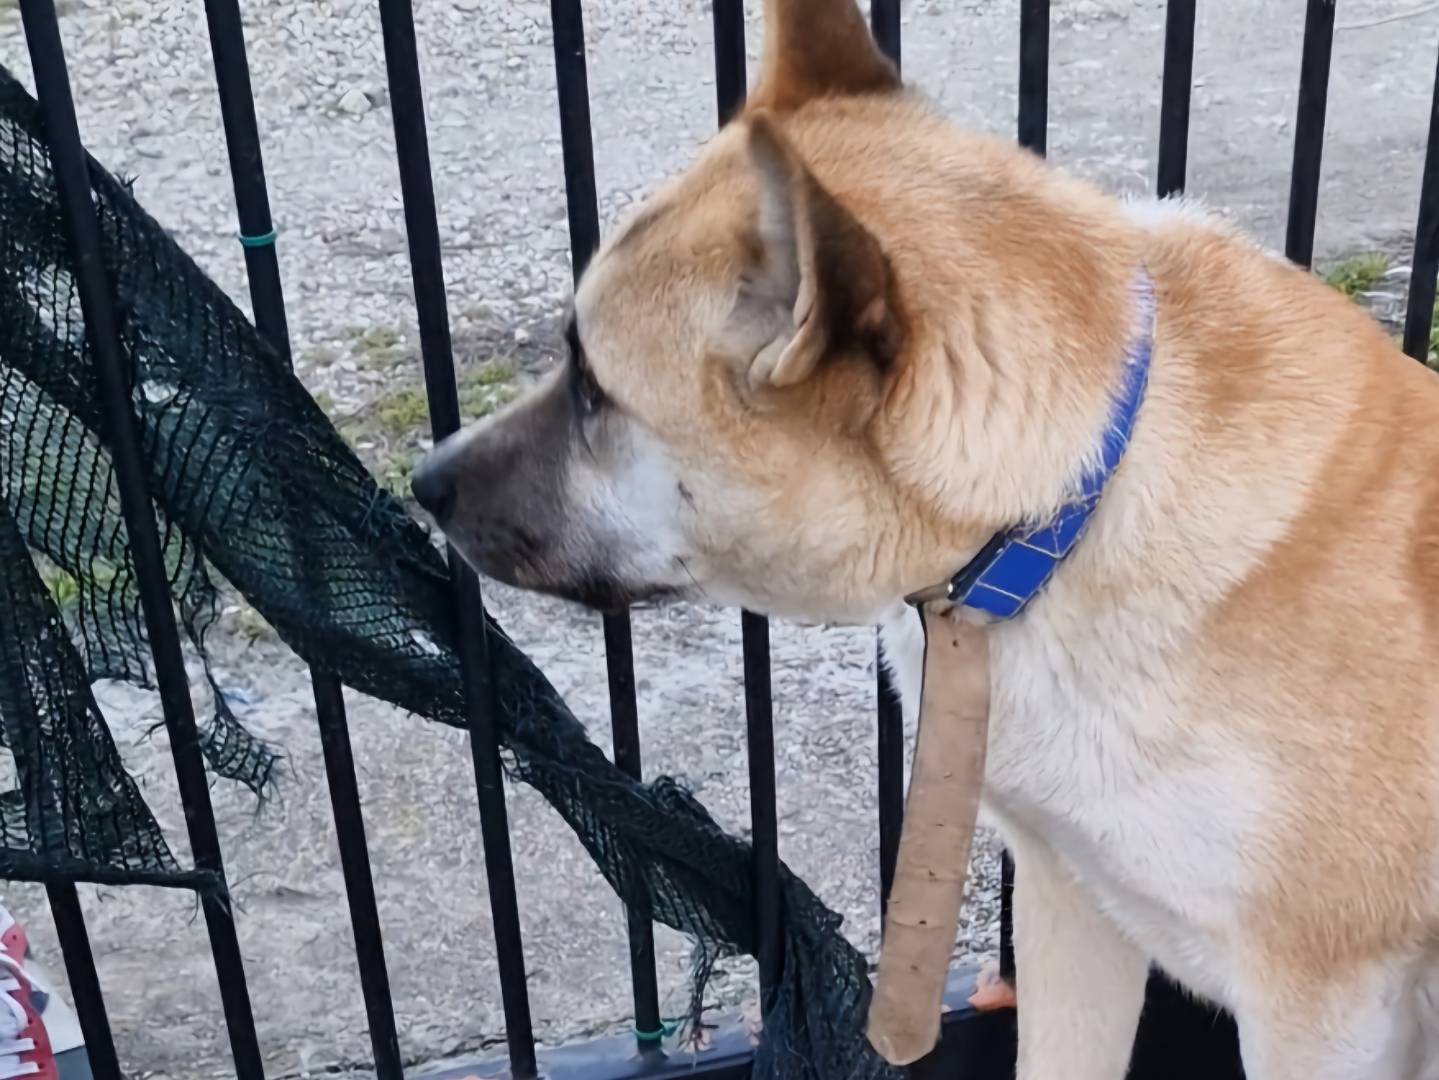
940,811
939,815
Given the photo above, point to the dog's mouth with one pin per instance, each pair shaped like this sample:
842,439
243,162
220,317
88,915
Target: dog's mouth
528,569
610,597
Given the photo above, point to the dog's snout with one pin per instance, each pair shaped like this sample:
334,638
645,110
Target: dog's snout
433,485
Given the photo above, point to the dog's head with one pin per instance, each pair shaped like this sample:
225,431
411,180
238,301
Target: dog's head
731,420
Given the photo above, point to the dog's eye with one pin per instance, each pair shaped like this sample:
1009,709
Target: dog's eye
588,394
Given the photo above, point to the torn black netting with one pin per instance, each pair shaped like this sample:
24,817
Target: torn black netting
55,474
250,479
68,808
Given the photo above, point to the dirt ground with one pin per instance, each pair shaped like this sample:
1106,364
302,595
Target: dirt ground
145,90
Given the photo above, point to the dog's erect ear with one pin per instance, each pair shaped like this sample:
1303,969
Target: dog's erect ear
816,48
821,281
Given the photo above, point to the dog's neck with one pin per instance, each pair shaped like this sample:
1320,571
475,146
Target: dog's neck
1002,424
1018,560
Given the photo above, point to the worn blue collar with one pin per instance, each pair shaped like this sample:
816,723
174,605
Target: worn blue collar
1015,564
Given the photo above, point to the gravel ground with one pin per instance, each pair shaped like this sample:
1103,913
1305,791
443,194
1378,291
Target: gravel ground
145,90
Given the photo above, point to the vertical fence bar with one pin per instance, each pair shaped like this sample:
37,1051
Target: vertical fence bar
247,169
624,723
1309,130
890,756
1174,102
1419,319
72,183
252,203
759,733
84,981
729,57
402,68
1034,75
884,22
1033,134
582,207
1006,918
754,629
359,882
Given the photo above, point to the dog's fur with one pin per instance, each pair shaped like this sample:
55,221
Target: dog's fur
815,373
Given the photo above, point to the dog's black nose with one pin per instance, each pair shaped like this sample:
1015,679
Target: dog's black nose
433,485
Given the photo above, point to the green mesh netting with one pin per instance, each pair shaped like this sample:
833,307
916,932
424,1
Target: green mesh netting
252,484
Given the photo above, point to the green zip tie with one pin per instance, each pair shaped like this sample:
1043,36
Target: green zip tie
264,240
664,1031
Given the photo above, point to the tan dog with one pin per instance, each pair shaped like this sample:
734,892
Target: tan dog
818,370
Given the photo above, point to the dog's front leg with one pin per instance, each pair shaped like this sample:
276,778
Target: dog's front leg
1080,984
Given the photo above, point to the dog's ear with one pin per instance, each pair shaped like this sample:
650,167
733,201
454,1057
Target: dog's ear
820,281
817,48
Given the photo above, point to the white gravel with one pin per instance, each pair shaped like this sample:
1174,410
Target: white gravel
145,90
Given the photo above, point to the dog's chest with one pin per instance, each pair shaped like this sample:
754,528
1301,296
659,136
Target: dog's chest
1083,756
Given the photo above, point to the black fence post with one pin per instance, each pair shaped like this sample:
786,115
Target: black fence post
247,170
754,629
624,725
1174,100
1034,75
122,431
84,980
884,23
402,68
1309,130
582,209
257,237
729,57
1419,318
889,755
764,826
889,711
1033,135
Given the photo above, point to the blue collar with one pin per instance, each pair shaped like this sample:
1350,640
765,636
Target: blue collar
1015,564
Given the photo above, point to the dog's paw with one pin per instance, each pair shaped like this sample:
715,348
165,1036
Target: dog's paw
991,991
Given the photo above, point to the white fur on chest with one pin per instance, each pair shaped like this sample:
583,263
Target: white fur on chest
1090,754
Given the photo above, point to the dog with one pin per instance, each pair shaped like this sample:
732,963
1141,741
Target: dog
820,369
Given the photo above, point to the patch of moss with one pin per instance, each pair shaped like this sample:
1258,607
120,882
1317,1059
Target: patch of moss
402,411
482,388
1358,273
486,388
389,433
491,372
394,471
378,346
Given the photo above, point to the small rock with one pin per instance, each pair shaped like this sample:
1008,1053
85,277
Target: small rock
241,695
522,337
354,102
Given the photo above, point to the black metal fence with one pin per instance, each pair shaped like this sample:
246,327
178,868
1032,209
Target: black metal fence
1177,1039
